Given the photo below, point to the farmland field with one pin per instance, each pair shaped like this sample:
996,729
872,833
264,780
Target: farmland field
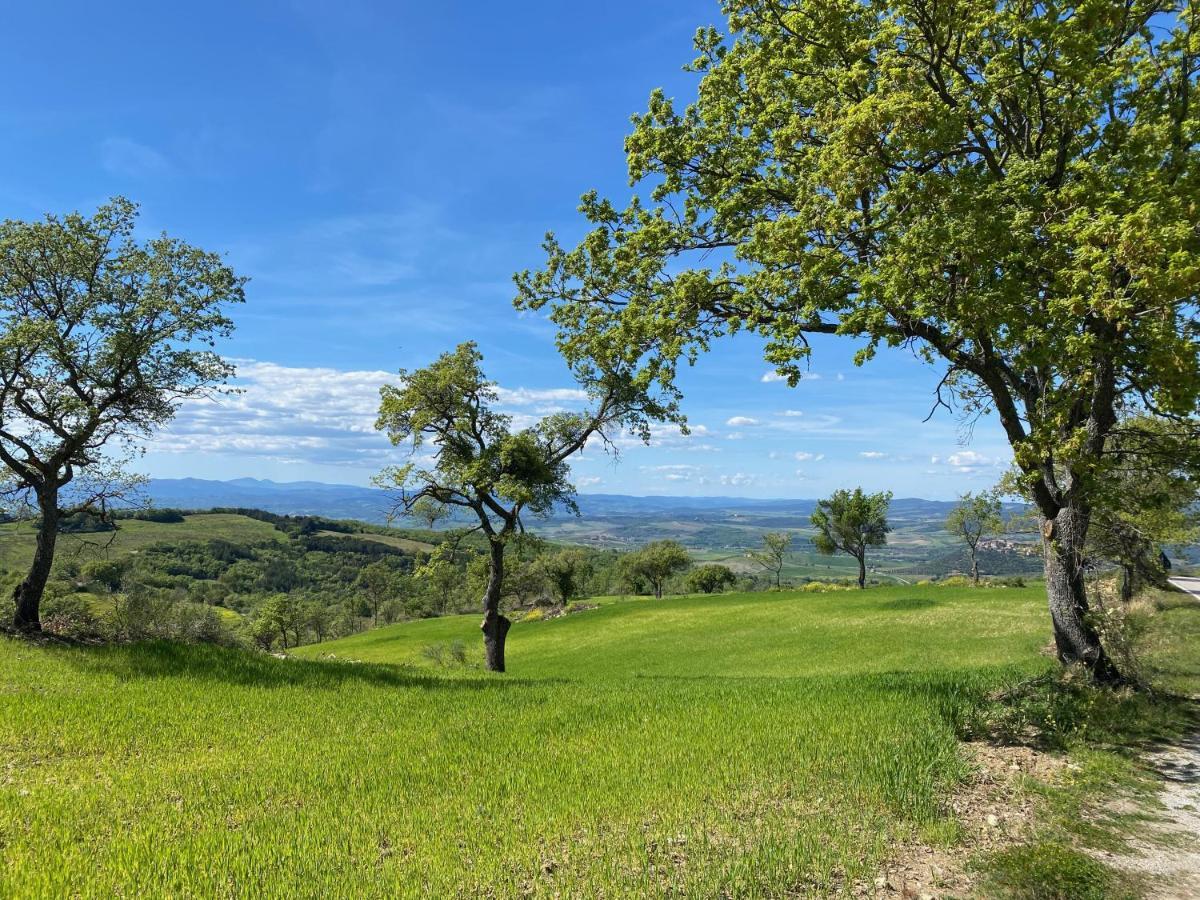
750,744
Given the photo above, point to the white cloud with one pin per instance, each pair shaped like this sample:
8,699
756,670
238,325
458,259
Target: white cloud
588,481
734,436
121,156
969,458
738,479
741,422
805,456
772,376
792,413
532,397
873,454
309,414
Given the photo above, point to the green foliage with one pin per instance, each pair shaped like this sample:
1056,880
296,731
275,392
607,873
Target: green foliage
851,522
711,579
653,565
1051,871
773,554
101,338
107,573
566,571
975,516
1147,498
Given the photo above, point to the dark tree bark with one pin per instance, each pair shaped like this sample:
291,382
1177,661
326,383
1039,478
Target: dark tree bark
862,571
495,625
27,596
1075,638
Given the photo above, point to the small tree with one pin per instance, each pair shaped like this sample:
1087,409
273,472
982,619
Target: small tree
711,579
485,467
428,512
974,516
101,338
441,575
378,582
566,571
850,522
108,573
773,554
656,563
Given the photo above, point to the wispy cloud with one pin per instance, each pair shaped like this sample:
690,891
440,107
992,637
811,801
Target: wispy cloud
741,422
311,414
131,159
873,454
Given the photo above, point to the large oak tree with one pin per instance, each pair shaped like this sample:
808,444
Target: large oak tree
1009,188
101,338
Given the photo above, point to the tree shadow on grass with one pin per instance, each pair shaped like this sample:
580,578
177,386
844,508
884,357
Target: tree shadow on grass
905,603
164,659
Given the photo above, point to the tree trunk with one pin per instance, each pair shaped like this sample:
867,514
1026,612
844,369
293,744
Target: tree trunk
494,626
1075,638
862,572
1126,582
974,566
27,596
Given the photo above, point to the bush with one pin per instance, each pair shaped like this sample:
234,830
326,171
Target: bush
69,615
449,655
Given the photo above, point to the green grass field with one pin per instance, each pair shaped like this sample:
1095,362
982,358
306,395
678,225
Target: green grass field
753,745
17,538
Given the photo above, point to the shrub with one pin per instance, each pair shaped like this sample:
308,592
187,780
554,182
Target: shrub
69,615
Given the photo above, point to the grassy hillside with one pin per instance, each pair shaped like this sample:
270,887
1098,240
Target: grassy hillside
741,744
902,628
17,538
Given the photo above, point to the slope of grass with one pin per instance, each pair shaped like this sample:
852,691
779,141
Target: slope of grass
17,538
745,745
893,628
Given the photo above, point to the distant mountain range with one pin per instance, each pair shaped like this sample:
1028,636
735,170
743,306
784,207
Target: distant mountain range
346,501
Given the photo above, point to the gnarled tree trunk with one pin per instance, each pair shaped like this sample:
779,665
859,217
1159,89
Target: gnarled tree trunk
1075,638
27,596
862,572
494,626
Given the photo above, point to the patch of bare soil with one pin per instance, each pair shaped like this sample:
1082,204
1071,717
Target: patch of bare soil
1167,848
994,811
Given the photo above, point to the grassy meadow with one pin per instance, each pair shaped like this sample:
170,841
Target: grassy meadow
752,745
17,538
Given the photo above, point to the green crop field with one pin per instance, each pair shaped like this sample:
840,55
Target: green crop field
765,744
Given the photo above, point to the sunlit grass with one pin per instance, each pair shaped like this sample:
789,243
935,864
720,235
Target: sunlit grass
742,744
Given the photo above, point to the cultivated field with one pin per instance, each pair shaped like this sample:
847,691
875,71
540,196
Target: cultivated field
760,744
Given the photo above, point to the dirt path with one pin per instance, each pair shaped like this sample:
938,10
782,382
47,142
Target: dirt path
1167,850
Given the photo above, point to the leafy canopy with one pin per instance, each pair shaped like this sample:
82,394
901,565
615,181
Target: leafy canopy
851,521
101,337
1010,188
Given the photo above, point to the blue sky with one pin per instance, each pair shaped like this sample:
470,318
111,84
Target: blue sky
379,171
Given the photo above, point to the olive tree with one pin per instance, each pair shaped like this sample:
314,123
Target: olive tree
1008,189
974,516
850,522
656,563
101,338
484,466
773,554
